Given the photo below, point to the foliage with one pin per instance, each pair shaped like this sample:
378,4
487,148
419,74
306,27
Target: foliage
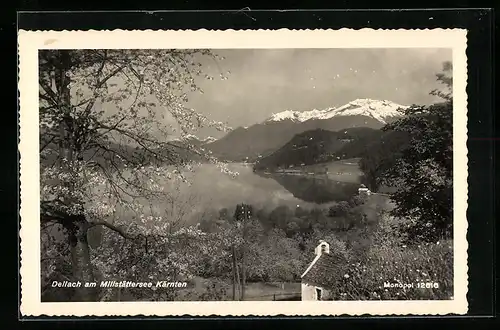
278,218
424,172
284,262
380,155
428,263
214,290
242,212
413,157
55,264
105,116
174,257
386,259
374,249
410,245
339,210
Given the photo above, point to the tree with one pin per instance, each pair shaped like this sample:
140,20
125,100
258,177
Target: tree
293,227
301,212
279,217
339,210
208,220
381,153
283,257
242,214
103,132
178,205
424,172
223,214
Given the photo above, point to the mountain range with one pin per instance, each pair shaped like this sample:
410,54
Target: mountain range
194,140
263,139
285,138
112,154
382,111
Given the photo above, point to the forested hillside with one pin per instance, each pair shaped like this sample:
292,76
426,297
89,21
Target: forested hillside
377,152
312,147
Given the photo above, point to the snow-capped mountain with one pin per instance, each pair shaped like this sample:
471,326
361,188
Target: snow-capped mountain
195,140
376,109
209,139
192,137
299,116
188,137
266,137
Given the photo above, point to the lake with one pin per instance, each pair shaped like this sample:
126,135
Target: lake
217,190
212,190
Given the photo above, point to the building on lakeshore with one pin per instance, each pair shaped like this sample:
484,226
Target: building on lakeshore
363,190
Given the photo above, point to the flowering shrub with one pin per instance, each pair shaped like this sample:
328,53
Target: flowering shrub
205,290
55,264
383,266
404,269
177,256
154,253
104,126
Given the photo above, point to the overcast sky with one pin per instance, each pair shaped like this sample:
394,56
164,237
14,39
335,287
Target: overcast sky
262,82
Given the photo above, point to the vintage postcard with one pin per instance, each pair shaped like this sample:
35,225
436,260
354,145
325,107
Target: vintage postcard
233,173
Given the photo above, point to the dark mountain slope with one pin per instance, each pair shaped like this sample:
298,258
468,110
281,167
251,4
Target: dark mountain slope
263,139
311,147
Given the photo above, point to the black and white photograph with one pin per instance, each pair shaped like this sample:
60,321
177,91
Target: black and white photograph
286,174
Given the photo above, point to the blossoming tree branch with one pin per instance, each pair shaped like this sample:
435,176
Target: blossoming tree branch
105,116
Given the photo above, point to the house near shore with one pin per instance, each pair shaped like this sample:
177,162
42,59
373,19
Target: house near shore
323,272
363,190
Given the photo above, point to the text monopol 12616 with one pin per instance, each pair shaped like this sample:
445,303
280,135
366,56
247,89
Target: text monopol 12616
418,285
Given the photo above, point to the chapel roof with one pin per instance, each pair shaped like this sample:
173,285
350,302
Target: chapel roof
327,269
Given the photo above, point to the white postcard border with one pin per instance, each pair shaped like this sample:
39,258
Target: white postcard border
30,42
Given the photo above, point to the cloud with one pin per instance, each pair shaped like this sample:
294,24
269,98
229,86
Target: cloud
266,81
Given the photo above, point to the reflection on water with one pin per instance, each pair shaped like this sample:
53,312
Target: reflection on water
317,189
218,190
269,190
213,190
